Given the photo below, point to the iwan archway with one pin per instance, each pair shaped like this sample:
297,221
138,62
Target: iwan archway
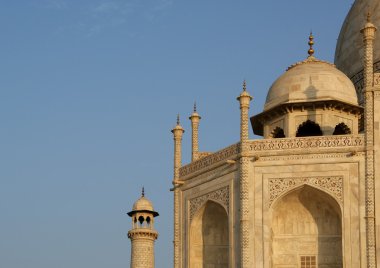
306,230
209,242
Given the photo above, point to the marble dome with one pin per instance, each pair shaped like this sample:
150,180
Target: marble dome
349,49
142,204
308,81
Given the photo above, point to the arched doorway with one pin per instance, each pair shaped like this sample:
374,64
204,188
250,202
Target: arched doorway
306,230
209,241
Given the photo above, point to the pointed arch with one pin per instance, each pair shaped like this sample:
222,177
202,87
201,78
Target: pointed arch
306,224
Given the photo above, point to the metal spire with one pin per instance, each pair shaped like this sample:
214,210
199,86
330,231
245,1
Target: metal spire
311,43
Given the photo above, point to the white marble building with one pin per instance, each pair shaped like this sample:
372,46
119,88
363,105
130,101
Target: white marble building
305,195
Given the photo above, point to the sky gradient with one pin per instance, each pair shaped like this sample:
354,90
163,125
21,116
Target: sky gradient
89,91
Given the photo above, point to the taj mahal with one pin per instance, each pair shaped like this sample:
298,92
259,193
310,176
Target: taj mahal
307,193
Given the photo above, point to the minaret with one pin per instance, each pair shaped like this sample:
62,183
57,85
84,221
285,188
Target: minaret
370,140
245,248
177,135
142,235
194,118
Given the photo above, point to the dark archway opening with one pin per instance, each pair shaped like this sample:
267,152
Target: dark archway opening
341,129
309,128
278,133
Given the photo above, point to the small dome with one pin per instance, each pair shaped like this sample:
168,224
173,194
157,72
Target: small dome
142,204
350,48
311,80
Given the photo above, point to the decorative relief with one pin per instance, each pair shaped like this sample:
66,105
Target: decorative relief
332,184
311,156
339,141
210,159
308,142
221,195
199,155
376,79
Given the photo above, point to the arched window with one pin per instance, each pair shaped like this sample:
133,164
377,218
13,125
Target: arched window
148,221
309,128
341,129
141,220
278,133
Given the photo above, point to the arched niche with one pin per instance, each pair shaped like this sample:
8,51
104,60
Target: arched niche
209,237
306,230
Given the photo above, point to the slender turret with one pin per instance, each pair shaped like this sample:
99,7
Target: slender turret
194,118
142,235
177,134
369,117
244,100
245,253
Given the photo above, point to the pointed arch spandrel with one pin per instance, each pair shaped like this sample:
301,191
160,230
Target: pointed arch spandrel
220,196
331,185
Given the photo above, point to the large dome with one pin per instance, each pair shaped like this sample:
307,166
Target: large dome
349,48
311,80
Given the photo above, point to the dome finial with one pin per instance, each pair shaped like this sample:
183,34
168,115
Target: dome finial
311,43
244,86
177,119
143,192
195,107
369,16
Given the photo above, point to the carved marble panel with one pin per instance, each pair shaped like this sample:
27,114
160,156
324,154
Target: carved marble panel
221,196
331,184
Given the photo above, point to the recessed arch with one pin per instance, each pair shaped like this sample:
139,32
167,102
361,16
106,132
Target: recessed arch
309,128
306,222
209,237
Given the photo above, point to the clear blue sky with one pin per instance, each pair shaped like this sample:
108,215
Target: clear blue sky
89,91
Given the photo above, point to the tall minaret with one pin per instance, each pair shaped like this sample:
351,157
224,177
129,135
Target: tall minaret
194,118
245,248
371,118
142,235
177,135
